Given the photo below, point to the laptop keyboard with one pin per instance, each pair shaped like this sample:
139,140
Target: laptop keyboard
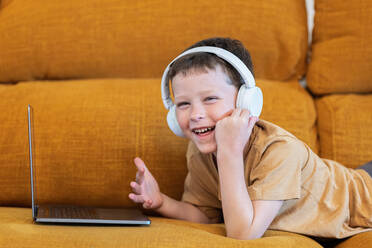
73,213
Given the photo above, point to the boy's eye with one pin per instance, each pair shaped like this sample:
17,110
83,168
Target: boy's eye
181,104
210,98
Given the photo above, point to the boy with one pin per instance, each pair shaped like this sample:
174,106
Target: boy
250,171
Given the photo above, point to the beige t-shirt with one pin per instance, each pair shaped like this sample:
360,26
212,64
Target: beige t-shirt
322,198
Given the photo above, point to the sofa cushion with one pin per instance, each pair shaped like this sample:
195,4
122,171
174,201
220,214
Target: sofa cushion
341,59
363,240
90,38
86,136
87,133
345,128
17,230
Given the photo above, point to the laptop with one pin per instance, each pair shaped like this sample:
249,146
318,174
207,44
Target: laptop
75,214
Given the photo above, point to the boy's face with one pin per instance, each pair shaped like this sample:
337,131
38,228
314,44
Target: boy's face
202,99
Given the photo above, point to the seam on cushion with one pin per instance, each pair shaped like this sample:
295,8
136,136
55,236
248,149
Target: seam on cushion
4,3
330,110
332,132
311,105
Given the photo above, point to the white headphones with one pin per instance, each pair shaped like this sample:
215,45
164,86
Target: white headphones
249,96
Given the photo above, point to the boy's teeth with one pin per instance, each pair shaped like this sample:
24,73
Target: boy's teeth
202,130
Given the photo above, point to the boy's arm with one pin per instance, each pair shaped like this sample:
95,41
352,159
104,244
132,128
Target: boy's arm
181,210
244,219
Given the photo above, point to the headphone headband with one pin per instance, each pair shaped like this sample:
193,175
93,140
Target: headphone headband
229,57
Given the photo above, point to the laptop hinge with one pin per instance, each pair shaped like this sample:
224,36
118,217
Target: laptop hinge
36,211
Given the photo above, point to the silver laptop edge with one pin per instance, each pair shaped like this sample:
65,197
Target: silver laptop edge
29,110
90,221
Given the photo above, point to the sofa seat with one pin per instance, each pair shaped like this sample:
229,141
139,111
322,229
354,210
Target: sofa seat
18,229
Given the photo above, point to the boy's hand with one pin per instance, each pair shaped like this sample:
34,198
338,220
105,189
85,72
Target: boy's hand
145,188
234,130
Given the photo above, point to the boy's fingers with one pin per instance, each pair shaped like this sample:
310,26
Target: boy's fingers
141,170
147,204
140,177
136,198
252,121
236,112
245,114
135,187
139,164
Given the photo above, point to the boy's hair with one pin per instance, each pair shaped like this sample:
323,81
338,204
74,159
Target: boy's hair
203,61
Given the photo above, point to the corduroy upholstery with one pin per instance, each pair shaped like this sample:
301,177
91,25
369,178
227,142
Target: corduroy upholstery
341,50
345,128
91,69
16,222
115,38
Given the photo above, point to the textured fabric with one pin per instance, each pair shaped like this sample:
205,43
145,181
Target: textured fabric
341,58
345,128
363,240
17,230
87,133
117,38
321,198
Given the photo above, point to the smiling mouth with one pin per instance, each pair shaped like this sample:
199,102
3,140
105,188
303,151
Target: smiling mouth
203,131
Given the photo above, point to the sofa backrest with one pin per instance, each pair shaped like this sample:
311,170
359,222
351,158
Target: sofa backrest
341,59
115,38
86,135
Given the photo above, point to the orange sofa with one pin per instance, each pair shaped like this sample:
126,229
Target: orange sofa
91,69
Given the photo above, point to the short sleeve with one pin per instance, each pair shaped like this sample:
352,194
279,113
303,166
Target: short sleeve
277,175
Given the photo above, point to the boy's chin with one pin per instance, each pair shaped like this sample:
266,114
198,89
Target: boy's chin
206,148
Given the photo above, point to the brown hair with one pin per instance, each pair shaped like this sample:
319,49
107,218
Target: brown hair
203,61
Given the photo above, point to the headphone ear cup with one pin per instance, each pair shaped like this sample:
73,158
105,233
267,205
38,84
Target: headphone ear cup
251,99
173,123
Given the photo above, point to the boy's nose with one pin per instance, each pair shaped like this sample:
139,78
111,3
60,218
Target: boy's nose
197,117
197,114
